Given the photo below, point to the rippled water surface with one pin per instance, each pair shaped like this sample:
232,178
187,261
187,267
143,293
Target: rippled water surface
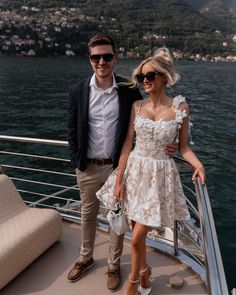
33,103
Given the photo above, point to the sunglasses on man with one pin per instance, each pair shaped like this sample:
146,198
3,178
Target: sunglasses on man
107,57
150,76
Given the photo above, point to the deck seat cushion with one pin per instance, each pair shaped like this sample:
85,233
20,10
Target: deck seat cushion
25,233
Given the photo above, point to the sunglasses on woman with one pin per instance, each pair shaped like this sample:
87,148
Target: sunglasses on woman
150,76
107,57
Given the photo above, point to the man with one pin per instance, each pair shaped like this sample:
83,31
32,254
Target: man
98,118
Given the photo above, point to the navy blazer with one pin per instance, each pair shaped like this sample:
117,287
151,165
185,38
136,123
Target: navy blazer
78,120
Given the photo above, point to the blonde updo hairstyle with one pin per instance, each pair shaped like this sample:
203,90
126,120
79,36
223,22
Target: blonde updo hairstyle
161,62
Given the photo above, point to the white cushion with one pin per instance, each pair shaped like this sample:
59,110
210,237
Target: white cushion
25,233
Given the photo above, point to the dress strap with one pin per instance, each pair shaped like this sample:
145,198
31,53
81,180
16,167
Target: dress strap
139,109
180,115
177,101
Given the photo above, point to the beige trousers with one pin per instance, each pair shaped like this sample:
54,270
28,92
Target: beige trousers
90,181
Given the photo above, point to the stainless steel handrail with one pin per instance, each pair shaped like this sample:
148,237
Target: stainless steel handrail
34,140
34,156
214,267
213,262
37,170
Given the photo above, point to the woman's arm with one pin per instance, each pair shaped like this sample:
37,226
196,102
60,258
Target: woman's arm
186,151
126,149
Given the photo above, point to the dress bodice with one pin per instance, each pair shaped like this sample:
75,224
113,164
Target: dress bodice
153,136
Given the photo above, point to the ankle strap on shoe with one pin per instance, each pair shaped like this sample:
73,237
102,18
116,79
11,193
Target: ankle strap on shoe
134,281
142,272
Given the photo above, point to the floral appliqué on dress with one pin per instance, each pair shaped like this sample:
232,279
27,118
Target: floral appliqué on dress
154,193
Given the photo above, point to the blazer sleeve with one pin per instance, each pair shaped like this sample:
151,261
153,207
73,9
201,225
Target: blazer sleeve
136,95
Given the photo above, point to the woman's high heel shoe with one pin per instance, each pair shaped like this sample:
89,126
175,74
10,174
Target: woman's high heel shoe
142,290
133,282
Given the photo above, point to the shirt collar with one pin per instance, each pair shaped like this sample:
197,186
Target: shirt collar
93,83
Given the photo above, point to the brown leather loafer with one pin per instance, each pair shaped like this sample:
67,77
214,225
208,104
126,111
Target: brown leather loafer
79,269
113,279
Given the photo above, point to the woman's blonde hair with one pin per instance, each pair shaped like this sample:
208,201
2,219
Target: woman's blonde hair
161,62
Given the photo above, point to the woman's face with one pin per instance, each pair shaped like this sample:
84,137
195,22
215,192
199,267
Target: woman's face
153,81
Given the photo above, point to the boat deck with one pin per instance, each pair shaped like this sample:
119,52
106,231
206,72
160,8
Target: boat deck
47,275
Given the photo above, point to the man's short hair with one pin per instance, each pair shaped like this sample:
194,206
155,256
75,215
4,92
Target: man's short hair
102,39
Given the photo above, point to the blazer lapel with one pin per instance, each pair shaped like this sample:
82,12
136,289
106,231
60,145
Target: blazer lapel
122,96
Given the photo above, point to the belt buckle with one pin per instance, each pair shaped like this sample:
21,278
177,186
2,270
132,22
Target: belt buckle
100,162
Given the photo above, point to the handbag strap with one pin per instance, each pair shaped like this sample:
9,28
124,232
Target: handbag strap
122,206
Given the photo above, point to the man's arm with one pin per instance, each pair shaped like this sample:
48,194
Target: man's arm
72,127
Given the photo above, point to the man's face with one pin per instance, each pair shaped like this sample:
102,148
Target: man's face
104,60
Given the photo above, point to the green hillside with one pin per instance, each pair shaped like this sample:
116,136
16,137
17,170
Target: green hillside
137,25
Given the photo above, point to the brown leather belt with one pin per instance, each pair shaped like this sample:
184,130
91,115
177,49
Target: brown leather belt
100,162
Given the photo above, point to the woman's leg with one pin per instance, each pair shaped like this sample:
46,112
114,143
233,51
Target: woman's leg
138,256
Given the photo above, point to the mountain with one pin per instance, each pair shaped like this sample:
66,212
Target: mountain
221,13
193,26
176,15
161,17
198,3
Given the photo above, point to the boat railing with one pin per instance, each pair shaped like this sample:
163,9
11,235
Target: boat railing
214,265
42,174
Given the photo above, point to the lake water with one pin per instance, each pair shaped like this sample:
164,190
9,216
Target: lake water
33,103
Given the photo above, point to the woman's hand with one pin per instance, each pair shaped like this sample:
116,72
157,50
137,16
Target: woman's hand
199,171
119,191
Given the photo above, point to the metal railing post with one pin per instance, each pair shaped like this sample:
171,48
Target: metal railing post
176,251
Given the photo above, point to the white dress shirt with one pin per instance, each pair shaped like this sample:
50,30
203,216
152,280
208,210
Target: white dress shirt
103,118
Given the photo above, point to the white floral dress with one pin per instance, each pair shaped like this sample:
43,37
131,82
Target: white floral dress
154,193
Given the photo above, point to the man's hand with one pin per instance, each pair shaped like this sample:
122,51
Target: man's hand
171,149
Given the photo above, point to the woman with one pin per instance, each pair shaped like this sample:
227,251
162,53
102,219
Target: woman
147,179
